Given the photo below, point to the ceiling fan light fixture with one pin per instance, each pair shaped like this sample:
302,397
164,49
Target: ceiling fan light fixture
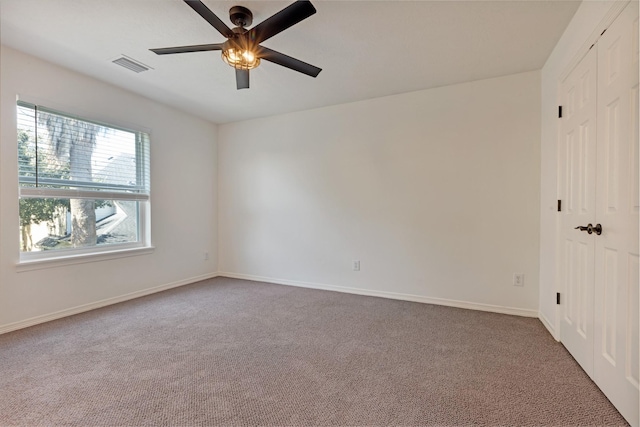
242,50
240,59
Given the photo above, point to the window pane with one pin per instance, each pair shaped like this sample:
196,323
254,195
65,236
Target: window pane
83,184
57,224
60,151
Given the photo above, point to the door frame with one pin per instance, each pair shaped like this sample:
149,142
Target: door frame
614,11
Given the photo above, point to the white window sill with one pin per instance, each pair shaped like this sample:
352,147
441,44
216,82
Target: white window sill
60,261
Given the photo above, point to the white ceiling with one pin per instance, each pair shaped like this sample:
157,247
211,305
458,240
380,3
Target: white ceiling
366,49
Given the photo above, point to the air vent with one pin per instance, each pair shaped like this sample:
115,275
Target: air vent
131,64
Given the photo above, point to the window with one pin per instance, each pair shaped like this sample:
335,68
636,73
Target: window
84,185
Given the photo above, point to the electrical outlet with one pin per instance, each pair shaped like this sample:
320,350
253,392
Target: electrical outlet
518,279
356,265
206,256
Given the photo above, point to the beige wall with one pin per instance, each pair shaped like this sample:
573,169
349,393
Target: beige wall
436,193
183,194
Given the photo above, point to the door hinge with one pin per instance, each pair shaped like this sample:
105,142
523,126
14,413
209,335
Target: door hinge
558,298
559,111
559,205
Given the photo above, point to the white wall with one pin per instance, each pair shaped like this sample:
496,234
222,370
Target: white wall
587,24
436,193
183,194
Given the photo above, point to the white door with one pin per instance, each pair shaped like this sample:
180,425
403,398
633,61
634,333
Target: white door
598,185
577,176
616,358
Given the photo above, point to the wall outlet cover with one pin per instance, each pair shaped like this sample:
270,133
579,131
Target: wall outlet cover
518,279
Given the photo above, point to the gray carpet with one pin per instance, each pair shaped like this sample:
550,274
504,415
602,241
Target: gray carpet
233,352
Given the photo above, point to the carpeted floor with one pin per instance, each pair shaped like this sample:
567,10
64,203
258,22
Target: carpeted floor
232,352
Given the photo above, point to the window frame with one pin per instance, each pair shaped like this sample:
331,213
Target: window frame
87,190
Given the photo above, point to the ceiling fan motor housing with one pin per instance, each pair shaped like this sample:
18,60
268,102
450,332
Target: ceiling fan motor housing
240,16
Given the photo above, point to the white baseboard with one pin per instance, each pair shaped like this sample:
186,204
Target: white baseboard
547,324
391,295
98,304
382,294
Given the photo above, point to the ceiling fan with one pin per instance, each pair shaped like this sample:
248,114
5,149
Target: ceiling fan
242,49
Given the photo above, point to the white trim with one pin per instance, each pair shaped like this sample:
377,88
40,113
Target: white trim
390,295
51,105
547,324
615,10
555,326
80,258
98,304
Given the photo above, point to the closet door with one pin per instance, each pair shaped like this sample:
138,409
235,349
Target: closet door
577,175
616,331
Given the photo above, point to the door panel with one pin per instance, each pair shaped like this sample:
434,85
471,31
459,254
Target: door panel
634,156
609,305
611,145
576,189
633,324
598,182
616,250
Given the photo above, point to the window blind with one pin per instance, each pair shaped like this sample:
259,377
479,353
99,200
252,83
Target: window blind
59,153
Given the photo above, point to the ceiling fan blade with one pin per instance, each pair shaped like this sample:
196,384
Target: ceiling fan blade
287,61
186,49
210,17
287,17
242,79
